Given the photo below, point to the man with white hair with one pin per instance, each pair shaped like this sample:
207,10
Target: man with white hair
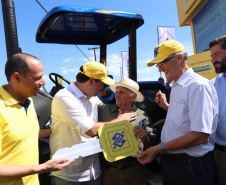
188,135
128,170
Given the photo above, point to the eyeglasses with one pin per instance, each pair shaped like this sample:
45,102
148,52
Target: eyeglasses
160,64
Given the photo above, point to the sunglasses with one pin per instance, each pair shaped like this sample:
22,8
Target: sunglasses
160,64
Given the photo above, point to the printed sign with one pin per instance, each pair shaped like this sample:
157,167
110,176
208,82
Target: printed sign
209,24
201,64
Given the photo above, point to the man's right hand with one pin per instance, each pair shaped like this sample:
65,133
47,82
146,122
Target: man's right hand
55,165
129,116
148,155
160,99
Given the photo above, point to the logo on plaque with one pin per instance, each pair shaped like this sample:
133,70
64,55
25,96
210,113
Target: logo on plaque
118,139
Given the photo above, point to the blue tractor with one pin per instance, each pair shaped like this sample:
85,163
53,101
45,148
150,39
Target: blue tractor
85,26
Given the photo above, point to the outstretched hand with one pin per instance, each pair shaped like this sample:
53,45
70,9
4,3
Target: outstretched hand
55,164
148,155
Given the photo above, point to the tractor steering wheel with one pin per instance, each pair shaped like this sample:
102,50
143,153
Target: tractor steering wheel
55,81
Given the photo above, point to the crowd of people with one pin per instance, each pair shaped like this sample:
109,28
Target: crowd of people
192,149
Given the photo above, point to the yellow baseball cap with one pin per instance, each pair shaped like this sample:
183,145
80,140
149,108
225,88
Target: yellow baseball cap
97,71
164,50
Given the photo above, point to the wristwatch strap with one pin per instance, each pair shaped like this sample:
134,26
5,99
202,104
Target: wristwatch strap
162,151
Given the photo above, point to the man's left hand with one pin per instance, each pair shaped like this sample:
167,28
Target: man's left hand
140,133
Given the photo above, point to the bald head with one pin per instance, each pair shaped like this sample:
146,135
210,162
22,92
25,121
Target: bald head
19,63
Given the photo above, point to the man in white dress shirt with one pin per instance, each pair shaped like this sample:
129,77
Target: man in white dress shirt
75,121
188,134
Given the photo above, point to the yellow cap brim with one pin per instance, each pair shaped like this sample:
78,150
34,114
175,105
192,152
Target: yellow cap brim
164,50
156,60
108,81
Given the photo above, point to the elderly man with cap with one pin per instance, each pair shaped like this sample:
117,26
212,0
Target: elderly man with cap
188,135
75,121
128,170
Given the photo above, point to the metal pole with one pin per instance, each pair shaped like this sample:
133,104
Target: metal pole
41,6
132,53
103,54
94,52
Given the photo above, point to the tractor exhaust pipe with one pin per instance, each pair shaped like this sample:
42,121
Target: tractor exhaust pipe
9,18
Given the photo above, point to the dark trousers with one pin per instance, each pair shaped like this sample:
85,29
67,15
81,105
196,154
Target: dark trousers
187,170
133,175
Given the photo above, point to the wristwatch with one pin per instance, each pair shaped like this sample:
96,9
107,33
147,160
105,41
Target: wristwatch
162,151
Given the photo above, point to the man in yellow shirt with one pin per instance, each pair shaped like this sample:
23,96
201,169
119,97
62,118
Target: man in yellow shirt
19,127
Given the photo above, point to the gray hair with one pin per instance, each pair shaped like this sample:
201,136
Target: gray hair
131,93
184,53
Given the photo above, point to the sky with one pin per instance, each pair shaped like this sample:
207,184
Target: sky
66,59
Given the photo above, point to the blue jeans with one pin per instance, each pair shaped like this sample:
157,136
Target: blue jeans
191,171
58,181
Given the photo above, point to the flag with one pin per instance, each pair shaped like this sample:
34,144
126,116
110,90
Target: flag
125,64
165,33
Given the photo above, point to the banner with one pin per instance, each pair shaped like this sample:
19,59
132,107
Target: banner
165,33
125,64
201,64
209,24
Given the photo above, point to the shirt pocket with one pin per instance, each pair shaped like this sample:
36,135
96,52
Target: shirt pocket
180,118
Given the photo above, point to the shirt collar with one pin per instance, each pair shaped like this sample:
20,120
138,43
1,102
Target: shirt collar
6,97
116,108
75,90
9,100
25,104
185,77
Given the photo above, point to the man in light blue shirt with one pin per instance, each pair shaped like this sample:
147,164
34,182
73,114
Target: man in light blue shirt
187,137
218,54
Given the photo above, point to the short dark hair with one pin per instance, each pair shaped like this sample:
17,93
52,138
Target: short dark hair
81,78
17,63
220,40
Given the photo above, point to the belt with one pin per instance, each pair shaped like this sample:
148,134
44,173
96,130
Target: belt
220,147
119,166
181,156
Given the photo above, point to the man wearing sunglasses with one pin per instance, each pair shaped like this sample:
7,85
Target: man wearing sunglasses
187,137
